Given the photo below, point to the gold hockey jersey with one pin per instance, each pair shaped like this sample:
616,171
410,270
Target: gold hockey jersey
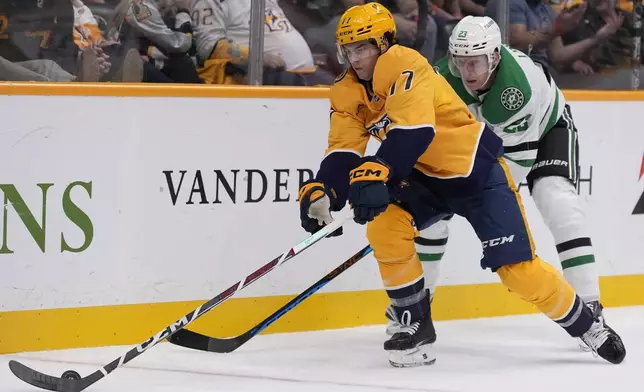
406,93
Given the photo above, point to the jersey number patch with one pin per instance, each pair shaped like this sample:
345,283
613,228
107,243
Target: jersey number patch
409,80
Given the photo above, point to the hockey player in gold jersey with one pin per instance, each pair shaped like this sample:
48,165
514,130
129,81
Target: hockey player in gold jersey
435,159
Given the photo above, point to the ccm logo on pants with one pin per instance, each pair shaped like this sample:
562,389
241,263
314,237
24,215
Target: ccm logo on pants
497,241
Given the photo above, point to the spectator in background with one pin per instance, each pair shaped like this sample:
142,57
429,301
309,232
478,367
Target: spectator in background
473,7
321,38
616,50
536,31
609,64
162,37
89,39
406,17
50,40
35,35
222,34
446,14
448,9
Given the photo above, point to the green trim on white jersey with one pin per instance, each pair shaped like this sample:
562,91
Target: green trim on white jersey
522,104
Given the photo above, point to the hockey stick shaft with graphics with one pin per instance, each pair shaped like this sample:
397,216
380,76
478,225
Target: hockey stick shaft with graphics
77,384
197,341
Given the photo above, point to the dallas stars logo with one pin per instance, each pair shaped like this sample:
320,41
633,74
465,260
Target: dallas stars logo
639,207
512,98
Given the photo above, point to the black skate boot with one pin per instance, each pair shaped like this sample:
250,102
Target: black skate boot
605,342
412,344
393,324
596,309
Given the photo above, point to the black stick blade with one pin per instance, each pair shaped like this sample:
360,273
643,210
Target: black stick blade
51,383
197,341
41,380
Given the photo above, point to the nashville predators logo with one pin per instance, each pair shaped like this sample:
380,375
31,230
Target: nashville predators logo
512,98
379,128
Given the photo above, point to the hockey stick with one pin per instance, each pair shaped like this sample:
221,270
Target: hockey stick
197,341
71,381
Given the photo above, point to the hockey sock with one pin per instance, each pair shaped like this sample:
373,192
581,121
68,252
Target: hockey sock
540,284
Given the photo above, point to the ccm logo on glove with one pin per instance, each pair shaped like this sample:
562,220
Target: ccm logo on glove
369,171
368,192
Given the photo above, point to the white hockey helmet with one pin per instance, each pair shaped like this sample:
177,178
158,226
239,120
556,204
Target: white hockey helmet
475,36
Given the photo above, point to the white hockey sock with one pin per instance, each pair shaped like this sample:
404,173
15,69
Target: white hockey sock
430,246
559,206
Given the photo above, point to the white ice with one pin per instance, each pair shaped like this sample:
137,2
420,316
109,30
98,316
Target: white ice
518,354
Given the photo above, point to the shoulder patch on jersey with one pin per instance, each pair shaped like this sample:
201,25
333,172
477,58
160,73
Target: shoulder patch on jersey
512,98
379,128
140,10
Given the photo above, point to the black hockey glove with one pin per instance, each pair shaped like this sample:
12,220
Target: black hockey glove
316,201
368,192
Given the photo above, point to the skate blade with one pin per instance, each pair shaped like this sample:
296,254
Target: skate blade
419,356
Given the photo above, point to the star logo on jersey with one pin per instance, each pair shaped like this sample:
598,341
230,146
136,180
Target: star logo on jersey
639,207
512,98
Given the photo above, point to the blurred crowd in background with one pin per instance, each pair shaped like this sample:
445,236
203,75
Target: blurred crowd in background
585,43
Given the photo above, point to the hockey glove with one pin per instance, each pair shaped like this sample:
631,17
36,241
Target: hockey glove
316,200
368,192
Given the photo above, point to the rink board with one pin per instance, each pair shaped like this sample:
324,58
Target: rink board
127,206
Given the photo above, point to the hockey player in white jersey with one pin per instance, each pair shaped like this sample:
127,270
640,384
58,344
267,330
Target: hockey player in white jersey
521,101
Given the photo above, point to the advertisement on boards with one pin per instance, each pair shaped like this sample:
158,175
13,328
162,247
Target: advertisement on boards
171,199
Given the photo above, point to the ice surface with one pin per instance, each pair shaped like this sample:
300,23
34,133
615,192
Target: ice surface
518,354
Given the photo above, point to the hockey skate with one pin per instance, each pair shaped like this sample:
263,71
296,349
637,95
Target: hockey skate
605,342
412,345
393,324
597,310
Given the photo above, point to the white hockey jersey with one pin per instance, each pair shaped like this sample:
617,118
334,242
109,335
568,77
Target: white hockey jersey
522,105
144,17
213,20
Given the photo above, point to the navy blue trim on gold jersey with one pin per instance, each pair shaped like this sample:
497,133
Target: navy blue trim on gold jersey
334,172
402,148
